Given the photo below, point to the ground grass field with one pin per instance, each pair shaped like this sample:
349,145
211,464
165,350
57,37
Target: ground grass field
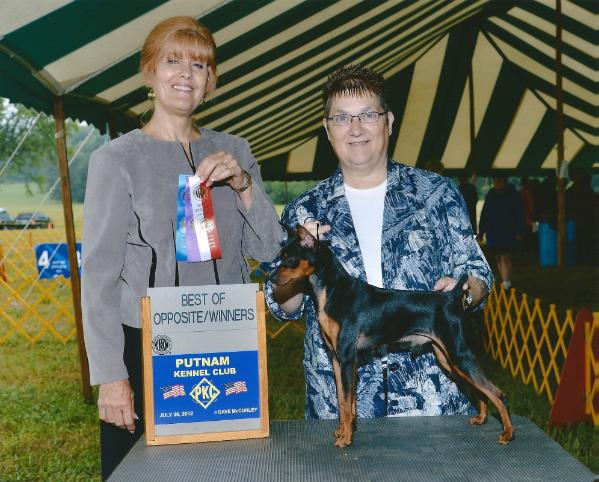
15,199
47,433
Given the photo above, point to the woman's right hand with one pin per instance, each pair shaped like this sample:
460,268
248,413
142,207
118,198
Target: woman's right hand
221,166
115,404
317,229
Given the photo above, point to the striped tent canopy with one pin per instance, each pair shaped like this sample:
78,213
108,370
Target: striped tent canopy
274,56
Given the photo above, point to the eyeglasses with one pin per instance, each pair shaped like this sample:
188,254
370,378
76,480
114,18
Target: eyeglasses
346,119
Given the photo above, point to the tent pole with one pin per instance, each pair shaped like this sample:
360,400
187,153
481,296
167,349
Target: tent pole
67,205
112,131
471,113
561,181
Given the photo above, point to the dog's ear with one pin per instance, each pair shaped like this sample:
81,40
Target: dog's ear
305,237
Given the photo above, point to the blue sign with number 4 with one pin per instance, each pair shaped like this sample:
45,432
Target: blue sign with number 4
53,260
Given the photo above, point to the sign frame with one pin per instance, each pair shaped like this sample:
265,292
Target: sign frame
148,380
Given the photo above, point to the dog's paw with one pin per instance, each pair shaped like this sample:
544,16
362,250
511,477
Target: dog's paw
477,420
506,437
343,442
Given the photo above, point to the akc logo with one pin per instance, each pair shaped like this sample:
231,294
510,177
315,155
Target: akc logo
161,345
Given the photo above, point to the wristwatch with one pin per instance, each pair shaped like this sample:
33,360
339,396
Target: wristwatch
468,300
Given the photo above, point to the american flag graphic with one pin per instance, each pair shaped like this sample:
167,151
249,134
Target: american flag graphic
172,391
235,387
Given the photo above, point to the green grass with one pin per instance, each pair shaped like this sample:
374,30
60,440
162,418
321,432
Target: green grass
285,374
47,432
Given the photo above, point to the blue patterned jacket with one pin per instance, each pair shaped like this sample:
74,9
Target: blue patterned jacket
426,235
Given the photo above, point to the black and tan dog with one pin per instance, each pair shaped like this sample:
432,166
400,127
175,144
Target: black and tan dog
356,316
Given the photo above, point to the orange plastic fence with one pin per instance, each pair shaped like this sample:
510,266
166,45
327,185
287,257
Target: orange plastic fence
30,307
531,344
592,368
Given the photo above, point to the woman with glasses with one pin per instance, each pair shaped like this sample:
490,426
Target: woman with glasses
133,228
393,226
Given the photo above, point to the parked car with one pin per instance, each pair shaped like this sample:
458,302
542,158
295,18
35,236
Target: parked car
38,221
6,220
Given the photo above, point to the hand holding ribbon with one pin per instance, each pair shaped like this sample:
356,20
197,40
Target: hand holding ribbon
222,166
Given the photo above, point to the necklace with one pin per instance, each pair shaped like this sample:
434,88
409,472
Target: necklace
189,157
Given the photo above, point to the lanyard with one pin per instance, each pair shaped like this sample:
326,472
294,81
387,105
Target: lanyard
189,158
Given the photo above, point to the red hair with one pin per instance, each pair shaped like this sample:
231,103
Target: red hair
179,37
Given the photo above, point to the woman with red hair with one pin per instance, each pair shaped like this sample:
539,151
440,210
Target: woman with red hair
132,221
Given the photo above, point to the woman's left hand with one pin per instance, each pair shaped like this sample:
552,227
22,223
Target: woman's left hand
477,287
447,284
221,166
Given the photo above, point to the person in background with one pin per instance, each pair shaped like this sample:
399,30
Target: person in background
130,220
528,205
502,222
546,200
580,204
470,195
393,226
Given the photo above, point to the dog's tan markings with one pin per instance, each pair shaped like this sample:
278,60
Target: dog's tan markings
482,414
302,270
491,392
328,326
345,421
339,432
305,267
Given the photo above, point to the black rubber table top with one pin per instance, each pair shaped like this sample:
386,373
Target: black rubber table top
384,449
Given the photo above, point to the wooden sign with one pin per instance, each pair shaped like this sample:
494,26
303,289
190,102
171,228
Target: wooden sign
204,360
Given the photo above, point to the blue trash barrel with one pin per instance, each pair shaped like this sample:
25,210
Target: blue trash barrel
548,243
570,236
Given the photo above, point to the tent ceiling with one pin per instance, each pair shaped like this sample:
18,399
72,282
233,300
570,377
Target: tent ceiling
273,57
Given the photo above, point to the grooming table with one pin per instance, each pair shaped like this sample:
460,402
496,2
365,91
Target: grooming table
384,449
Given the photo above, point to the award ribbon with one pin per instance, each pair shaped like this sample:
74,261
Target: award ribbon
196,237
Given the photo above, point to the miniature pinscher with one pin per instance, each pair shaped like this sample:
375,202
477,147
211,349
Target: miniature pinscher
355,316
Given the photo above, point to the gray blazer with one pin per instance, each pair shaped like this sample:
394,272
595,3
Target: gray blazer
129,234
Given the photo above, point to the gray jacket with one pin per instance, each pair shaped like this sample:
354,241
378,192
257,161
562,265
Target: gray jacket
129,234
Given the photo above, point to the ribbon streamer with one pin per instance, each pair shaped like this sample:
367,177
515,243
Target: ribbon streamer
196,237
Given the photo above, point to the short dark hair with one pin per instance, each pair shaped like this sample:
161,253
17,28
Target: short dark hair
353,80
